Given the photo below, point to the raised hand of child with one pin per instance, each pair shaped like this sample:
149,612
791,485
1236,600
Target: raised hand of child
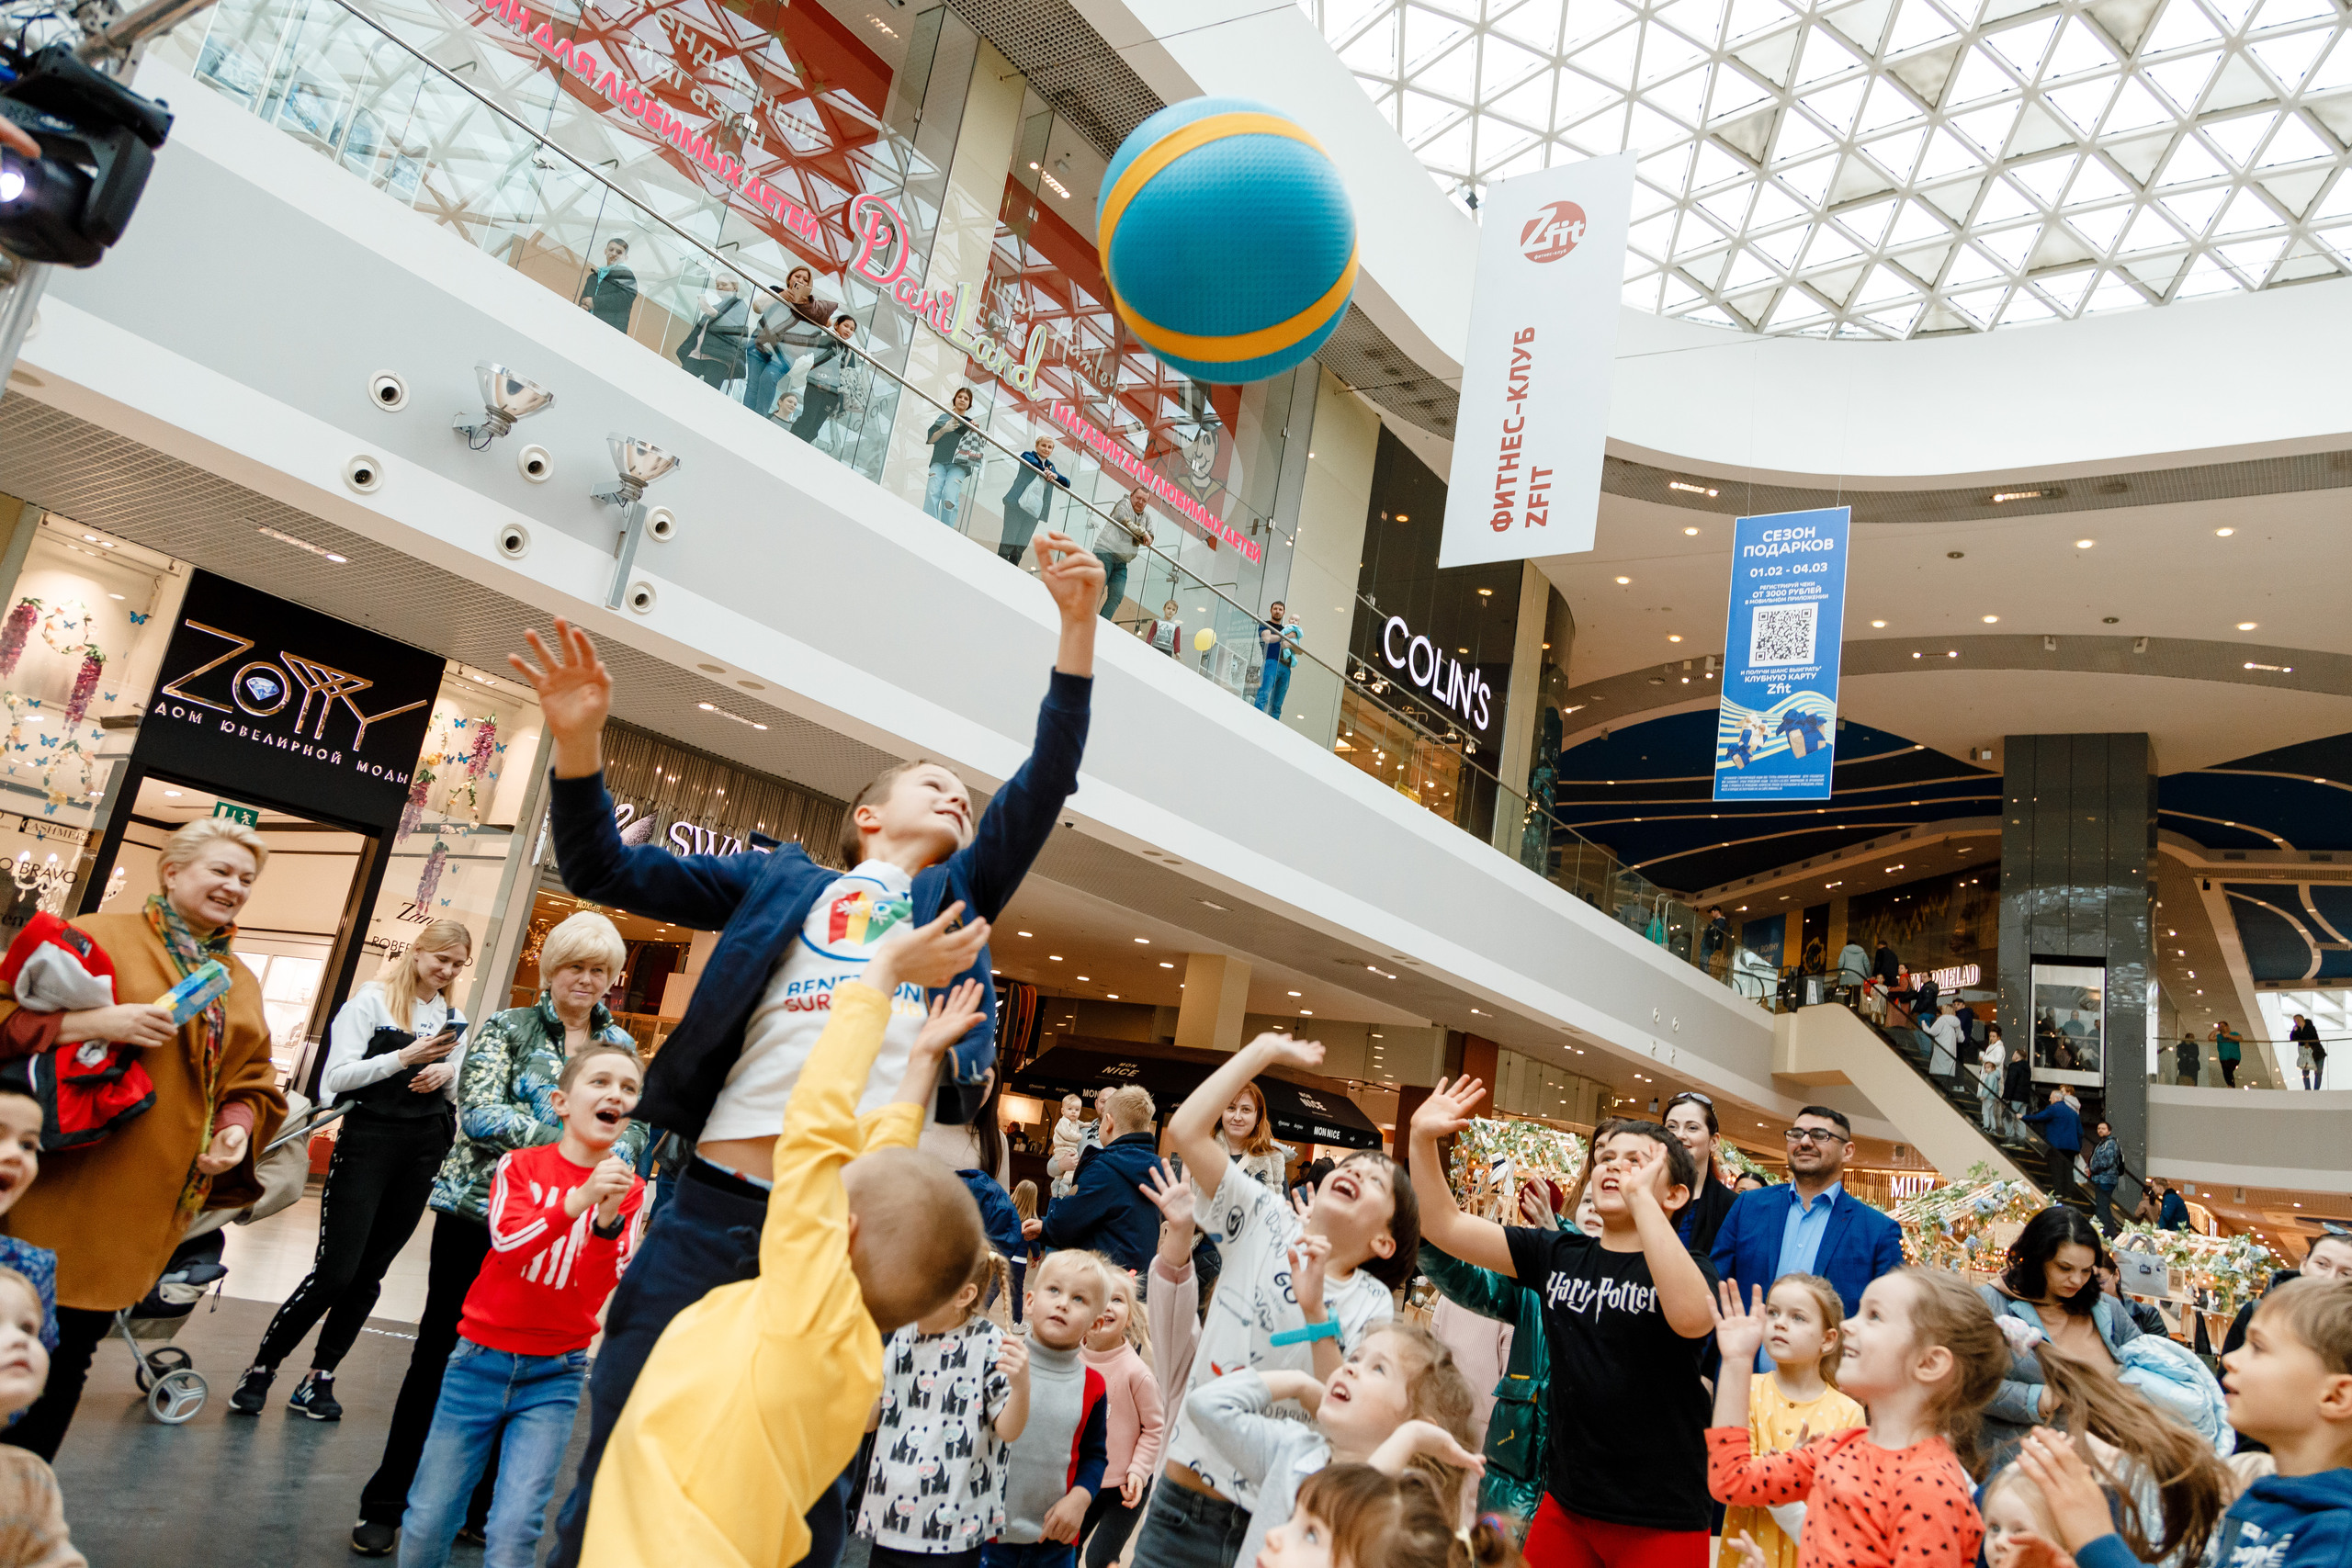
1417,1439
2023,1548
1169,1194
1063,1520
1447,1110
1310,1257
1644,1166
1070,574
575,693
1286,1051
1739,1334
953,1013
927,955
1012,1359
2077,1506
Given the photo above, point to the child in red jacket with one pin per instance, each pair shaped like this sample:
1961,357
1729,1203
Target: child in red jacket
564,1218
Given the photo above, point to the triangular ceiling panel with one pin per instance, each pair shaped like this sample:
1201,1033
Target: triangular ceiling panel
2203,142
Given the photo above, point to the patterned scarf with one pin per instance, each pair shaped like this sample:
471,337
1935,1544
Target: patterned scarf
190,953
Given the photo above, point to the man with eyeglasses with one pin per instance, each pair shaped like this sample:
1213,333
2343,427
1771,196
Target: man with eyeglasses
1809,1224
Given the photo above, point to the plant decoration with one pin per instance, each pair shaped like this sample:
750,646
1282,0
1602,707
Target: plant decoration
16,632
1964,1226
1492,1157
428,882
66,626
85,683
70,751
2221,1273
412,812
485,746
1741,1163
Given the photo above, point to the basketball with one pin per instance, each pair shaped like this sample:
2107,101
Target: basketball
1227,239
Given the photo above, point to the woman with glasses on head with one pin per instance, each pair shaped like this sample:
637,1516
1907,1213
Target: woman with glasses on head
1690,1117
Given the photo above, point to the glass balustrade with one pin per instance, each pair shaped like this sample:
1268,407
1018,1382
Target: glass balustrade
495,164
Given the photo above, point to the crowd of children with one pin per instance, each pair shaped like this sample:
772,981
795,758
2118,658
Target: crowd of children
820,1284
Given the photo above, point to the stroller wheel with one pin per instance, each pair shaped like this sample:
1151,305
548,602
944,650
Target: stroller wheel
167,1359
176,1397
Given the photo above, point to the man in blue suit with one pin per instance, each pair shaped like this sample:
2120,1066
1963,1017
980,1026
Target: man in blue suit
1810,1224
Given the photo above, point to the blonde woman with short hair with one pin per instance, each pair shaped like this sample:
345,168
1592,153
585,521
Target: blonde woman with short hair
112,1211
388,1059
505,1088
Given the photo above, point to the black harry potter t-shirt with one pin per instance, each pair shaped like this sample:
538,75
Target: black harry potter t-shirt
1629,1413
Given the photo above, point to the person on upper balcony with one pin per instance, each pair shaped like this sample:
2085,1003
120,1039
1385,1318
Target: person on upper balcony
791,931
1810,1224
792,325
1027,503
1853,966
2186,1061
1943,1042
609,292
1278,638
2229,1049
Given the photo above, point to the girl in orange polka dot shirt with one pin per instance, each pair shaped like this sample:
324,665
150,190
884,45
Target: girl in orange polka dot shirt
1923,1356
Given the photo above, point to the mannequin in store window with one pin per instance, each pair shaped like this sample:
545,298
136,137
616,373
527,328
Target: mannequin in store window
389,1056
114,1210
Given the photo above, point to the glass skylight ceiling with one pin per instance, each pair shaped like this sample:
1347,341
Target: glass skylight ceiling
1889,169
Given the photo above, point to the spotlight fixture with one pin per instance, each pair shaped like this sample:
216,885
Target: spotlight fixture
639,464
505,398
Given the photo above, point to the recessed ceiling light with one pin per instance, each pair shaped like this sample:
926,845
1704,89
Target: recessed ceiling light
114,595
1990,619
2245,626
1145,940
1294,993
1882,624
1306,1012
1674,636
1622,581
1086,979
1165,964
2224,532
1053,958
172,794
1112,995
2085,544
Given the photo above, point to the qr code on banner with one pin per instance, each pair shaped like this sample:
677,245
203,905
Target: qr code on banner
1781,634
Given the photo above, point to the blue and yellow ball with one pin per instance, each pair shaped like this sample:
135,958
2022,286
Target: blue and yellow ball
1227,238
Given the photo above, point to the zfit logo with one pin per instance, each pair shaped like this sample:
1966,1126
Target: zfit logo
263,689
1553,232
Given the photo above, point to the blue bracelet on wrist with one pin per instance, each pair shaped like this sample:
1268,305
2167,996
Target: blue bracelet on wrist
1327,1329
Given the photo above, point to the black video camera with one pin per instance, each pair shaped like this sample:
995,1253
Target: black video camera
97,141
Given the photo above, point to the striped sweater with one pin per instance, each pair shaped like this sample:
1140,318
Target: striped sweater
547,1272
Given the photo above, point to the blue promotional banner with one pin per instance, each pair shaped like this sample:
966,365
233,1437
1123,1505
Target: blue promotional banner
1776,735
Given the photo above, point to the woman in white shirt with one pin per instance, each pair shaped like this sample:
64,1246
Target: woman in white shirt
1991,1066
389,1052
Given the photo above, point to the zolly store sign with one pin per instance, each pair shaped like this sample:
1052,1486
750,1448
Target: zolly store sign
263,700
1453,685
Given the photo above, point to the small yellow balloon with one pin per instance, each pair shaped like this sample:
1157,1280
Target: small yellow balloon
1204,639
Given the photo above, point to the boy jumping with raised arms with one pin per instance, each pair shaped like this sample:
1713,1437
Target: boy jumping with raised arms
790,932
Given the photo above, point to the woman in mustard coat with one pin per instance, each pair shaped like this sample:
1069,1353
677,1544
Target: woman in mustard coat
113,1211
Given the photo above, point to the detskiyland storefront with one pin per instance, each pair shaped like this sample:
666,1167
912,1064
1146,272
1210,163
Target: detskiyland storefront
393,787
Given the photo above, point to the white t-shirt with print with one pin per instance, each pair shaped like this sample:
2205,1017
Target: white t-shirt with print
1253,1229
835,944
936,1482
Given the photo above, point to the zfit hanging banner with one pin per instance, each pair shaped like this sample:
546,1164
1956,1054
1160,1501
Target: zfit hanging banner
1776,735
1534,411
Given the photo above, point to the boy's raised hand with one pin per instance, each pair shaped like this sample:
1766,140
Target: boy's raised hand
927,955
1072,575
1447,1110
575,693
1739,1333
2077,1506
1416,1438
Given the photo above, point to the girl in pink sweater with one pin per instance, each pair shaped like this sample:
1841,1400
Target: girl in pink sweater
1116,1347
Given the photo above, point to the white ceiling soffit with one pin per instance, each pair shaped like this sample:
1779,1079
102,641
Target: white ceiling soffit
1899,168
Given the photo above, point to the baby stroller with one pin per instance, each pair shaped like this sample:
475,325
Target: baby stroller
176,1390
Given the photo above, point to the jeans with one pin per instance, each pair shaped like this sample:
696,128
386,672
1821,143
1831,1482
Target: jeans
891,1557
943,490
1018,525
2103,1205
1184,1529
1037,1554
1108,1524
765,371
458,1246
1114,590
374,1193
521,1406
2062,1174
2229,1073
1272,685
709,1236
43,1427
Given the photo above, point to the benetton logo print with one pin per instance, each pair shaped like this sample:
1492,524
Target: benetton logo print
263,689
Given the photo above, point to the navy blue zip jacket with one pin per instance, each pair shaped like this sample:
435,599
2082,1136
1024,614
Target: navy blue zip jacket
758,903
2280,1521
1106,1210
